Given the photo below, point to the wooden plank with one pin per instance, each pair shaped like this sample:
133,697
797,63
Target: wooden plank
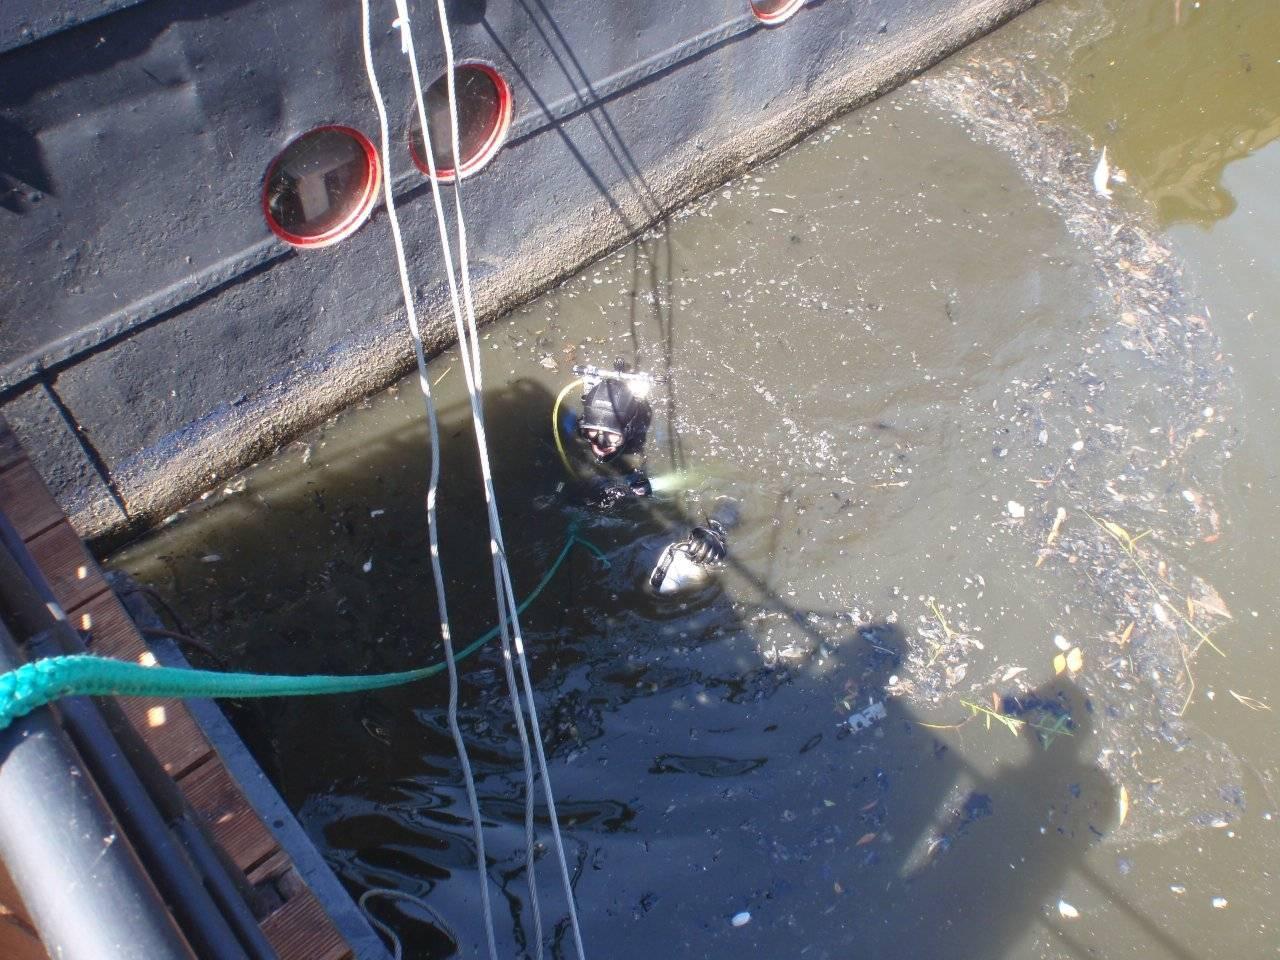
71,572
165,725
110,631
234,824
26,501
301,930
18,938
270,868
169,730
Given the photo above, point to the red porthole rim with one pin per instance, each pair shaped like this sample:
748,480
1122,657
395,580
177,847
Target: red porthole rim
785,12
495,139
359,213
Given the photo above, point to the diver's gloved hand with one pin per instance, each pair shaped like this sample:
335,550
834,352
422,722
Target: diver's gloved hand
706,544
639,484
610,494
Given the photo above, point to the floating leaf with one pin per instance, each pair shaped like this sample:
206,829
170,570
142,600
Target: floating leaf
1128,631
1124,805
1059,663
1011,673
865,839
1075,660
1210,602
1117,531
1067,910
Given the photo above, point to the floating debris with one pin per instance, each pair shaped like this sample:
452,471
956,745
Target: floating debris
1067,910
1102,176
1249,702
1057,525
1072,661
1219,903
1016,510
741,919
867,717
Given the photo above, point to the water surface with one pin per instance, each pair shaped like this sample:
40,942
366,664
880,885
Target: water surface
907,351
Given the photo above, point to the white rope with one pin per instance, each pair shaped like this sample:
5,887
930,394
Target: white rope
459,220
409,48
433,488
469,352
397,947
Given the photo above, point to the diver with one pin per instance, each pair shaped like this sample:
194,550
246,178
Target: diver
613,427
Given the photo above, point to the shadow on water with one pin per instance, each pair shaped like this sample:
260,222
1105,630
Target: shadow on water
696,777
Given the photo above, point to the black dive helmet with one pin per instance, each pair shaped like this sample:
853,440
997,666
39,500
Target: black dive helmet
610,407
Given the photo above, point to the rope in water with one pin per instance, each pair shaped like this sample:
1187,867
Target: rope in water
42,682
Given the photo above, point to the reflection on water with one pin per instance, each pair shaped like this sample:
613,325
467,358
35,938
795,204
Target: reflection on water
1177,90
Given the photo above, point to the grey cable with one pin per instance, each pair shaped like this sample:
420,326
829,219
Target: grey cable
424,383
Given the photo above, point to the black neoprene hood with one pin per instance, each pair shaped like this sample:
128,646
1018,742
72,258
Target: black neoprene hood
611,407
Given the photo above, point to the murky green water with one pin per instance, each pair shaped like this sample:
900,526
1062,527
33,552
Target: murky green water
907,347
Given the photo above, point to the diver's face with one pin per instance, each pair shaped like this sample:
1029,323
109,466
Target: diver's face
604,443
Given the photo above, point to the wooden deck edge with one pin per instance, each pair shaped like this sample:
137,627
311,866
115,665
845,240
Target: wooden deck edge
312,920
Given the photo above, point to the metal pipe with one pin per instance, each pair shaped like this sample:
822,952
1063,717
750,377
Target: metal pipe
78,876
204,896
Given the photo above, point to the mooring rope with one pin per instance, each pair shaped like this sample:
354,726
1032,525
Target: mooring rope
41,682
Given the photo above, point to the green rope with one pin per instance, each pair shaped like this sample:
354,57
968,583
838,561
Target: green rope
43,681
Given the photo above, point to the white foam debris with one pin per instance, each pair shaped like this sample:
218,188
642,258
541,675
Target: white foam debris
1102,176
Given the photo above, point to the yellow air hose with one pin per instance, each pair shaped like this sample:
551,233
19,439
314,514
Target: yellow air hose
555,427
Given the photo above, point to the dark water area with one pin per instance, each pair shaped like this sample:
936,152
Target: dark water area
999,443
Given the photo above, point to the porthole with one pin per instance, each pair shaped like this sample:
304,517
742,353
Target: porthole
321,187
775,11
484,114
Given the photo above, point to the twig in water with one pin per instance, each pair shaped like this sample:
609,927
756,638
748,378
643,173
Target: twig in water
1249,702
1127,544
1059,727
946,631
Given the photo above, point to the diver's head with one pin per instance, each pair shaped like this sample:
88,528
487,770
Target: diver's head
613,419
